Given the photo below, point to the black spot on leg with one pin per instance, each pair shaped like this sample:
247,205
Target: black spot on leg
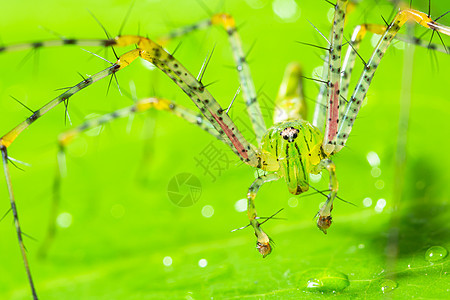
115,68
37,45
231,31
33,117
106,43
157,52
71,41
396,27
86,82
84,126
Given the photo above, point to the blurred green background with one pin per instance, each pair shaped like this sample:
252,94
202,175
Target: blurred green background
119,227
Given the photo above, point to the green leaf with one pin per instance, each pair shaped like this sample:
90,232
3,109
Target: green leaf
119,234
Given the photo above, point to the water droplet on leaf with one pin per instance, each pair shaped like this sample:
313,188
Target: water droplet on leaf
436,253
323,280
388,285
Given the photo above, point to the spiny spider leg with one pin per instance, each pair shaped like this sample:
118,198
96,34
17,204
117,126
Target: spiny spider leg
321,110
149,50
262,239
245,78
7,139
348,63
4,151
363,84
358,35
324,214
67,137
334,75
155,54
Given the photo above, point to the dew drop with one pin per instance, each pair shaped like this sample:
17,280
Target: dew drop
367,202
64,220
286,10
167,261
324,280
207,211
388,285
240,205
436,253
202,263
373,159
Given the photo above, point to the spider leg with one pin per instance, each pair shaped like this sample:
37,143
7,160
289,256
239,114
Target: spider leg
245,78
350,56
334,73
263,240
57,43
67,137
363,84
324,214
155,54
349,60
321,108
3,149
